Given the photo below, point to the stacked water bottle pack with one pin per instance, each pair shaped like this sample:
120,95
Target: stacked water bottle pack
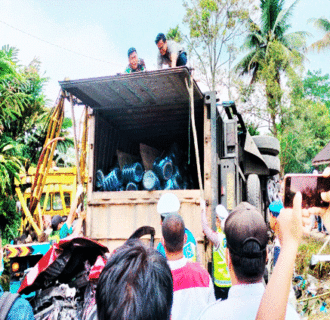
165,175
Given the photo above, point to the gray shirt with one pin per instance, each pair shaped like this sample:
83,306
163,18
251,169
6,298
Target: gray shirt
173,47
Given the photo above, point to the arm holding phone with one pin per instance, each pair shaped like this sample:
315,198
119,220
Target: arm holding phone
277,291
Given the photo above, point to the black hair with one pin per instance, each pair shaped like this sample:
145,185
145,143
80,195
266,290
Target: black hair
160,36
173,230
136,283
251,266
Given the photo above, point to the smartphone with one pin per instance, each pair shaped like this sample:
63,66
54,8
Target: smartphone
310,186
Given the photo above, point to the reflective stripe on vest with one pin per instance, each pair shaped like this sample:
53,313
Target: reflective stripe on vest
220,271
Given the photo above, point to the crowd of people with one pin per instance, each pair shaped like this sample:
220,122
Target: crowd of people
171,53
169,282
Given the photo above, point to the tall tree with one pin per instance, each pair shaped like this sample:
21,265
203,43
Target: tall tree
322,24
305,128
214,26
272,51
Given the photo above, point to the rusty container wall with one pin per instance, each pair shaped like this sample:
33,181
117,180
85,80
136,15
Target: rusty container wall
112,217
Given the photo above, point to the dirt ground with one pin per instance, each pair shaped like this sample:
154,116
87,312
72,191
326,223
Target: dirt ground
313,284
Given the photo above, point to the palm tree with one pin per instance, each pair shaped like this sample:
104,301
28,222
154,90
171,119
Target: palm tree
272,50
322,24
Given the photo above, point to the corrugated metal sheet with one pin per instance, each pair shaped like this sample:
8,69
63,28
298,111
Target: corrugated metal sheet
146,107
323,157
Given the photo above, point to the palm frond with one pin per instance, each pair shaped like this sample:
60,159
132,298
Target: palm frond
321,23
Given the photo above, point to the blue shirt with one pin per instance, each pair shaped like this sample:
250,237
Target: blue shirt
189,248
20,310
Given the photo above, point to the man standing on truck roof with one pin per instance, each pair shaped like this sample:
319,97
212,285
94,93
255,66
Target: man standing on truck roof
135,64
170,52
192,284
169,204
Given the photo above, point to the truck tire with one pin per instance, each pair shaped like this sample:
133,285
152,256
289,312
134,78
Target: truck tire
267,145
273,163
273,188
253,191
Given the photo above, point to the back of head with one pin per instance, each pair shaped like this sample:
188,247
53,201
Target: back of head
160,36
173,230
136,283
246,234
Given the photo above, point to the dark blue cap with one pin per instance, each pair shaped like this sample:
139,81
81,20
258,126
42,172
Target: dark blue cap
130,51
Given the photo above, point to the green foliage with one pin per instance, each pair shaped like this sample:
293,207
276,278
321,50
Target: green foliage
317,87
307,248
253,129
305,128
9,219
174,34
23,126
214,26
322,24
272,51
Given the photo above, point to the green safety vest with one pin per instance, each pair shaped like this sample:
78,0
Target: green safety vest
220,270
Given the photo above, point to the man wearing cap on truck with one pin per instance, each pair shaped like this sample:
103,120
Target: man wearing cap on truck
135,64
221,276
169,204
246,254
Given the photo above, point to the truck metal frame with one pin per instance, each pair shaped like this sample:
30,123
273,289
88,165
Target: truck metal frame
154,108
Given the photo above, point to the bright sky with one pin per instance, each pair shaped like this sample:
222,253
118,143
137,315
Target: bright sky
90,38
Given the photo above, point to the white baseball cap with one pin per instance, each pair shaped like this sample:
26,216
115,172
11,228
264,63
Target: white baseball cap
168,203
222,214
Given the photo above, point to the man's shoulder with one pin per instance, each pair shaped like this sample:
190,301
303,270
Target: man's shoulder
21,309
192,274
214,310
190,236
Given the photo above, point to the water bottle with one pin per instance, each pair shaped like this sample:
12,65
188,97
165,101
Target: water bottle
163,168
132,173
131,186
113,181
150,181
99,180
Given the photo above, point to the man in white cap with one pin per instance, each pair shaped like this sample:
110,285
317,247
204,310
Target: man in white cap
221,275
170,204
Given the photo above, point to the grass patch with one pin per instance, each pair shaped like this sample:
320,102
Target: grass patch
308,247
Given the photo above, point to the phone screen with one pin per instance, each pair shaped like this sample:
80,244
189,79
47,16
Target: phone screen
310,187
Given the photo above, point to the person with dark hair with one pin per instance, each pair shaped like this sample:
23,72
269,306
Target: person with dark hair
246,254
134,63
192,285
168,204
62,225
136,283
171,53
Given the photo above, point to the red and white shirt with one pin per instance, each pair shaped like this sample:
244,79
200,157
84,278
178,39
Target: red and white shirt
192,289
